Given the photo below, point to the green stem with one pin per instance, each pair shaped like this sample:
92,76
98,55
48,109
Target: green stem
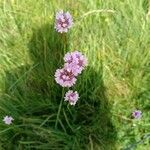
59,109
65,42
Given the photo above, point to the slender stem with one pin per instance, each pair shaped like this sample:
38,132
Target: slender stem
98,11
65,42
59,109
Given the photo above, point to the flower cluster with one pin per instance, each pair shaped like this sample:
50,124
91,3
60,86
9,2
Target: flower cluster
137,114
72,97
75,62
8,120
63,21
65,77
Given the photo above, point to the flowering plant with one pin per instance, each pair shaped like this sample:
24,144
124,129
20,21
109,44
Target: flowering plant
63,21
75,62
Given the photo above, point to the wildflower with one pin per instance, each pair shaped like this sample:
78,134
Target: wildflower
73,67
71,97
63,21
8,120
137,114
65,77
75,61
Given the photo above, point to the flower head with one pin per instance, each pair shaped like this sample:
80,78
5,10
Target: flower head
63,21
8,120
137,114
71,97
75,61
65,77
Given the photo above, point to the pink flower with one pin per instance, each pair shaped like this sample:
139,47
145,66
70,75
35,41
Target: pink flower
137,114
65,77
8,120
63,21
71,97
73,67
75,61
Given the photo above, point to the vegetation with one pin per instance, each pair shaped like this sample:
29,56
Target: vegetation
114,35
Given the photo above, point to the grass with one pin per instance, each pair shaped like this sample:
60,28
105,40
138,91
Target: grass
114,35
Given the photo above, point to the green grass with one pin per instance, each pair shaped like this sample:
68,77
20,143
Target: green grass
116,82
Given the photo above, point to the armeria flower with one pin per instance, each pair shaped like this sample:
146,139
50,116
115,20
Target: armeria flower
73,67
71,97
75,61
65,77
137,114
63,21
8,120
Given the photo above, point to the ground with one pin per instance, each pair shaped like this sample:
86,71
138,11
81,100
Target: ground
114,36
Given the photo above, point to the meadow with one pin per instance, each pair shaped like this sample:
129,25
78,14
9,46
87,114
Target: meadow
115,37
